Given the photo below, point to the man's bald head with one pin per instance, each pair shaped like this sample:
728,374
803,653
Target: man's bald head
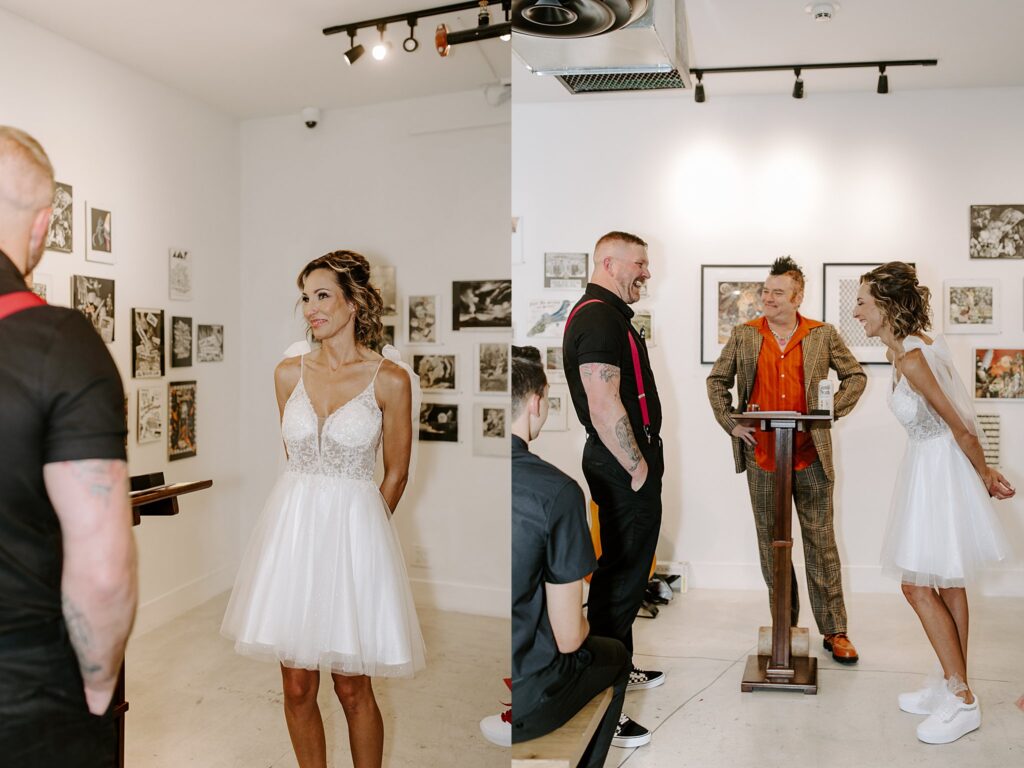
621,265
26,193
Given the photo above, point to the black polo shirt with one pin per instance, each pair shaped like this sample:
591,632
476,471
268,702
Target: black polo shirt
599,333
550,544
61,399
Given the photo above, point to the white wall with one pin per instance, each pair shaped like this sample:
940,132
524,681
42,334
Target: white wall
167,168
421,185
852,177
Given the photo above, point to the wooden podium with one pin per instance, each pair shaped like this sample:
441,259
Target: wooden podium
782,669
150,497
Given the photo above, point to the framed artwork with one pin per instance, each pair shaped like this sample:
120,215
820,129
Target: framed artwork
729,295
997,232
179,275
436,372
388,335
643,322
181,342
60,234
383,279
566,270
150,423
181,420
558,411
94,298
423,319
147,343
518,255
991,440
491,426
546,318
42,286
100,236
481,304
971,306
842,281
210,343
439,422
999,374
554,364
492,367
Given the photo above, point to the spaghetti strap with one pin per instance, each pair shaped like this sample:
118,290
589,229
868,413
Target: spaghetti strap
381,363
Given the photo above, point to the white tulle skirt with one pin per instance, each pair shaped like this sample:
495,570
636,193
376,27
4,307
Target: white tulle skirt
323,583
942,529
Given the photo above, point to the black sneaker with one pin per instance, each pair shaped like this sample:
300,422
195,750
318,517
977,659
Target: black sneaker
629,734
640,679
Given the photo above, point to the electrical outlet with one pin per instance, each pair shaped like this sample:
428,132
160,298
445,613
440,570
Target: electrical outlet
419,556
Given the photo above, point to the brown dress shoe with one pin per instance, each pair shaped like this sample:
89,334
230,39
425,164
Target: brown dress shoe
841,647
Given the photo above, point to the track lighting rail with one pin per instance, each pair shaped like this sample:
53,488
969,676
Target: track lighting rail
837,65
399,18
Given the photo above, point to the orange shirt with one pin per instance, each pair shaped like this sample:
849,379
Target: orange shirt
779,386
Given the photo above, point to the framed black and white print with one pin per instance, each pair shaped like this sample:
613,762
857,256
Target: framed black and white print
423,319
42,286
100,236
387,335
841,284
383,279
439,422
558,411
643,321
971,306
147,343
60,235
181,420
554,365
436,372
179,274
491,427
481,304
997,232
181,342
150,422
210,343
566,270
730,295
94,298
492,367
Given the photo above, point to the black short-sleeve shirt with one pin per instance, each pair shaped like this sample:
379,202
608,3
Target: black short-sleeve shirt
550,544
61,399
599,333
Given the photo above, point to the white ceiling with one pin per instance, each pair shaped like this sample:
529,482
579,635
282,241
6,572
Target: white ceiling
979,43
255,58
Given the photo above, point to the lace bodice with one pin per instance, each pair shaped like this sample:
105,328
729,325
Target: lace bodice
344,445
911,409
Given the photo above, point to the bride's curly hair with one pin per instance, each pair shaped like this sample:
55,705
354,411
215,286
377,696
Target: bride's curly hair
901,297
352,273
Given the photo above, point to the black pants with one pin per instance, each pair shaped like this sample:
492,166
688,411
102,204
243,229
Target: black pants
547,700
630,524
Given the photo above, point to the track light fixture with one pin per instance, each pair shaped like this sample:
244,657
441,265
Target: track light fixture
381,49
506,6
798,85
410,43
354,51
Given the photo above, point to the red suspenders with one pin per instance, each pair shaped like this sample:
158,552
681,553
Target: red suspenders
642,397
11,303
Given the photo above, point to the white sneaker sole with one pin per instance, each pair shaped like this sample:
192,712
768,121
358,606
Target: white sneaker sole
644,686
629,742
948,737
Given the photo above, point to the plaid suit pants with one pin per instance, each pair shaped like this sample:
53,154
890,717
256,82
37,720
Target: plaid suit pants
812,495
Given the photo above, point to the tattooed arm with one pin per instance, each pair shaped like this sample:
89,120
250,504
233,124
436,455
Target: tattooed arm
98,584
608,415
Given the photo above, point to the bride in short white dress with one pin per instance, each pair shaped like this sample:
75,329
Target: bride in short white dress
323,582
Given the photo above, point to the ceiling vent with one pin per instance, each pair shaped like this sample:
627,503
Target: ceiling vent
601,46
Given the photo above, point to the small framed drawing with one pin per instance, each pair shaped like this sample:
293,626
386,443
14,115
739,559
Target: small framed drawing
842,281
491,430
644,324
546,318
439,422
558,411
423,319
94,298
147,343
60,234
971,306
997,232
42,286
518,255
729,295
566,270
150,423
436,372
100,236
481,304
181,342
179,274
210,343
554,365
492,367
388,334
999,374
181,420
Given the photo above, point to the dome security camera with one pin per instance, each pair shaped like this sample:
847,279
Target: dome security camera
311,116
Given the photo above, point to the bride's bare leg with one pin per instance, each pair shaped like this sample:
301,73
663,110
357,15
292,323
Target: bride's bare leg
365,725
305,726
956,603
942,633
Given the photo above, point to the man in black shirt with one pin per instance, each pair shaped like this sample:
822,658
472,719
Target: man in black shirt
613,390
557,666
67,554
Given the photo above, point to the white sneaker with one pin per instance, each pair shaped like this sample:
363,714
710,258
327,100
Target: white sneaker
921,702
951,720
497,729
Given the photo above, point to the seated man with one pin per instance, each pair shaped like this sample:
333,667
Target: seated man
556,667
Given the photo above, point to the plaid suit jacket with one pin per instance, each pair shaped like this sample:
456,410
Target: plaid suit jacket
822,349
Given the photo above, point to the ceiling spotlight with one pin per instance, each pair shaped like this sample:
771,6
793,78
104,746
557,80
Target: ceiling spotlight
883,80
380,50
506,6
798,86
483,16
698,92
355,51
410,43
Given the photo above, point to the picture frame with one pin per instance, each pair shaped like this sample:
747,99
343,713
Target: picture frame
148,343
481,304
643,322
840,285
382,277
554,364
179,274
60,235
492,429
730,294
492,368
210,343
971,305
42,286
439,422
181,342
389,334
991,437
566,271
999,374
422,313
150,415
546,318
181,420
558,410
437,372
997,232
94,298
99,235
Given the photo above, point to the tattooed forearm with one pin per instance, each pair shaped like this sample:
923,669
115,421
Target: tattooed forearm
602,371
80,635
627,442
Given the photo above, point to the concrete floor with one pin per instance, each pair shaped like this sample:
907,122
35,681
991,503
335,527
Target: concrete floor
194,702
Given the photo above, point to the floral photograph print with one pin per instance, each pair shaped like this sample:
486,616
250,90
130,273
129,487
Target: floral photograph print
181,420
999,374
423,319
971,306
997,232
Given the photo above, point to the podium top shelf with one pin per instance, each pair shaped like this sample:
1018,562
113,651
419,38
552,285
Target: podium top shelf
785,419
160,492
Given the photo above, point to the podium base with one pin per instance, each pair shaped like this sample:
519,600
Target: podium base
805,676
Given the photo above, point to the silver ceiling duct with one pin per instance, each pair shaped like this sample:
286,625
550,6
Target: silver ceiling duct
574,18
